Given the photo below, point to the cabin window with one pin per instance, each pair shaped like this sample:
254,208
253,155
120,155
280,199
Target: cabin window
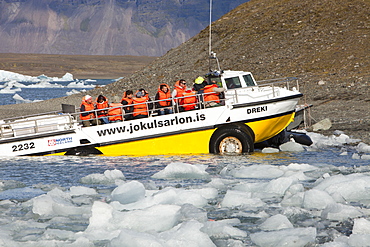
233,82
248,80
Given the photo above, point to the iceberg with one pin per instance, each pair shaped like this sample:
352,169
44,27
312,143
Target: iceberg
6,76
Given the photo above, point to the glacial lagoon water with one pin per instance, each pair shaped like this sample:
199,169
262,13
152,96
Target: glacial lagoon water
316,197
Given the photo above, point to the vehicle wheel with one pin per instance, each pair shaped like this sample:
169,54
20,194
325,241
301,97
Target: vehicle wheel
231,140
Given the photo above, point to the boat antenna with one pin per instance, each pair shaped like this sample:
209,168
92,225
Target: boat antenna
211,54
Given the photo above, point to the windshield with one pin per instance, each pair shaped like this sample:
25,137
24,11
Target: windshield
233,82
249,80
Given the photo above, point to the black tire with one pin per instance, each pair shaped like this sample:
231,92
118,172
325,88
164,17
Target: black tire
231,139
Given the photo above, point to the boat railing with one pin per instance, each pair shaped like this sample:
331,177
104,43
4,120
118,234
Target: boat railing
151,109
287,81
34,124
265,86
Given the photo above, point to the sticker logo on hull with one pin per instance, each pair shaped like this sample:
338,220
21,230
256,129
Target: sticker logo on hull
64,140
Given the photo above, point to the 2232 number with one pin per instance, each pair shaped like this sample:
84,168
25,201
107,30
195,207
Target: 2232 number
21,147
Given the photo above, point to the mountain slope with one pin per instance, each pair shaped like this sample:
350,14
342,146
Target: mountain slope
95,27
325,39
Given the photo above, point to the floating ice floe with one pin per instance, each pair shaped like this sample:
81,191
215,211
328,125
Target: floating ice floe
7,76
245,204
336,140
19,99
11,87
182,170
74,91
109,176
79,84
90,80
45,84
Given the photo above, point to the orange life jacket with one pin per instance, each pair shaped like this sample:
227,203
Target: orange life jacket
102,105
89,108
115,112
189,101
210,95
128,100
146,96
180,90
162,96
127,107
140,107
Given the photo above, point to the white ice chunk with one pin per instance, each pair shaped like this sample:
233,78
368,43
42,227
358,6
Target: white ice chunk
217,183
109,176
317,199
73,91
79,84
190,212
45,84
56,202
157,218
356,156
257,171
58,234
129,192
7,75
242,199
207,193
365,157
189,196
361,226
295,200
182,170
363,148
291,147
102,213
335,244
114,174
222,229
67,77
359,240
280,185
270,150
276,222
20,100
187,234
101,223
353,187
340,212
81,190
129,238
323,141
274,188
301,167
287,237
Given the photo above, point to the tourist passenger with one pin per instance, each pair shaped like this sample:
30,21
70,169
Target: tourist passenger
87,113
102,103
199,84
178,92
126,101
115,112
189,102
163,100
140,105
212,94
